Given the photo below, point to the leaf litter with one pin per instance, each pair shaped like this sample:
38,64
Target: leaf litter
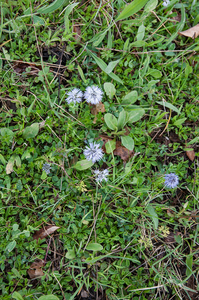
120,150
45,232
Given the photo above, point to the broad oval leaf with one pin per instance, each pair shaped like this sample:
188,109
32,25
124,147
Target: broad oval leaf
11,246
7,134
31,131
122,119
135,115
130,98
17,296
131,9
155,73
83,164
128,142
151,5
140,33
111,121
94,247
110,146
48,297
70,254
109,89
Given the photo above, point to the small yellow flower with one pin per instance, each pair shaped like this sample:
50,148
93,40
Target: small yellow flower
81,187
164,230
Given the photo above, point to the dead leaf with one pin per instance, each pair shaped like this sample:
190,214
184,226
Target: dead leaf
77,30
120,150
21,66
95,109
192,32
170,238
9,167
84,294
191,154
36,269
44,232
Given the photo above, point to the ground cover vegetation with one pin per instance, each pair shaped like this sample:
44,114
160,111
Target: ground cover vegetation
99,149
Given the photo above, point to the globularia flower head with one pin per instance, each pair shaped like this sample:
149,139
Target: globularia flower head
93,94
171,180
101,175
166,3
93,152
74,96
46,168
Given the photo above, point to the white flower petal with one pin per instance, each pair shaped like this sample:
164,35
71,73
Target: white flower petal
93,94
74,96
93,152
101,175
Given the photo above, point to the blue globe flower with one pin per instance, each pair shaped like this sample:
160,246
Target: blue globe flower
171,180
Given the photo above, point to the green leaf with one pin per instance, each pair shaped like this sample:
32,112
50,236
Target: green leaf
130,98
153,215
128,142
81,73
126,47
19,185
189,264
26,155
18,161
111,66
69,9
83,164
135,115
195,140
70,254
151,5
15,227
179,122
48,297
122,119
168,105
188,70
138,44
38,20
140,33
50,8
178,28
2,159
44,175
152,83
98,39
11,246
94,247
31,131
7,134
155,73
17,296
110,146
103,66
111,121
131,9
109,89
